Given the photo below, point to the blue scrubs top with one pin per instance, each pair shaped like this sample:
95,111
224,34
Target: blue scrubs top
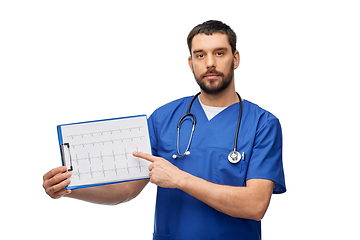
183,217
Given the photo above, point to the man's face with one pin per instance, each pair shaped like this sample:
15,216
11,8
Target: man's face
212,62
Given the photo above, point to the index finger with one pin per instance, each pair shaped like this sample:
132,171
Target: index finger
145,156
54,171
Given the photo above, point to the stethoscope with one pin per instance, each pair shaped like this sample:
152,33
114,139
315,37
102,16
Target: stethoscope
233,157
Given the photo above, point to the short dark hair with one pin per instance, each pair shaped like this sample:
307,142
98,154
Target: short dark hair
210,27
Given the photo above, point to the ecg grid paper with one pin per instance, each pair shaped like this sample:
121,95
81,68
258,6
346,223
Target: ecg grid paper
100,152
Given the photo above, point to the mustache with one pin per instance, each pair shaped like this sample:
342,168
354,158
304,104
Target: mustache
212,71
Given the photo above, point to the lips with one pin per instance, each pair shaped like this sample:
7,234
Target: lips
212,76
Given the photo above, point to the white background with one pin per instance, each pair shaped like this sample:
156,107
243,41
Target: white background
70,61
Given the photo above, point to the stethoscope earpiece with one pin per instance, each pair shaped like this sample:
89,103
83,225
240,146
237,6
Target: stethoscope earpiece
181,155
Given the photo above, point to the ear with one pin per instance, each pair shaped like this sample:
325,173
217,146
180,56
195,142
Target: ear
236,59
190,63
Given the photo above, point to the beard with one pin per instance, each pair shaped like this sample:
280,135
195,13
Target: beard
207,86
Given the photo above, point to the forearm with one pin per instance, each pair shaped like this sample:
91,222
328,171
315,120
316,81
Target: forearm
248,202
109,194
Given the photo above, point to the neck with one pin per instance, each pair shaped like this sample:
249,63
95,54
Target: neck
221,99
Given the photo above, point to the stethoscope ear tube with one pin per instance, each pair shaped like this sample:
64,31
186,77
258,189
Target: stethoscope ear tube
184,116
187,152
192,101
188,114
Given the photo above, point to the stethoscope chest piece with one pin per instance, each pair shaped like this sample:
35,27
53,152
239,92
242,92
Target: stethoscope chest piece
234,157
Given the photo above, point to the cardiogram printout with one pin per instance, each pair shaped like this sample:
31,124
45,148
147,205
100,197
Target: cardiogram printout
100,152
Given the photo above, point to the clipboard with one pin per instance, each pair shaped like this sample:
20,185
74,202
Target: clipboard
100,152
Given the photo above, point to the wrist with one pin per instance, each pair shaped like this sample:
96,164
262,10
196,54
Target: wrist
183,181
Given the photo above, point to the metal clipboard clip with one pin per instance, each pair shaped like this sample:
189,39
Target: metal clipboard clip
65,154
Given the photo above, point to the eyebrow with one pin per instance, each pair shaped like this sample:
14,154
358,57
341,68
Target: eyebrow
216,49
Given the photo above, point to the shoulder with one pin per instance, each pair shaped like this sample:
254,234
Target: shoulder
164,120
258,115
171,107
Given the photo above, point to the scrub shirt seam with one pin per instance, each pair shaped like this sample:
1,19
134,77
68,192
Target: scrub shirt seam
264,125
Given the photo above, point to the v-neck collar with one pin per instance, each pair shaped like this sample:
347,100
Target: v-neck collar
202,115
211,112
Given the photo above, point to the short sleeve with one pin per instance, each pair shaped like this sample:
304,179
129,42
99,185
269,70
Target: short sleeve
266,158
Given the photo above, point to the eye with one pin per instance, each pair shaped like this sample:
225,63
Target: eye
200,56
219,53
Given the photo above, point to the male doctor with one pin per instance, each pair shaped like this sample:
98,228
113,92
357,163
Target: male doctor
202,195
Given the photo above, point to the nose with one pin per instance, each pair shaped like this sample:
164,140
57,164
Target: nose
211,61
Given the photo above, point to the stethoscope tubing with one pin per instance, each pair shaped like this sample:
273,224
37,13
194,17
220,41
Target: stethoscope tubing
238,124
188,113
